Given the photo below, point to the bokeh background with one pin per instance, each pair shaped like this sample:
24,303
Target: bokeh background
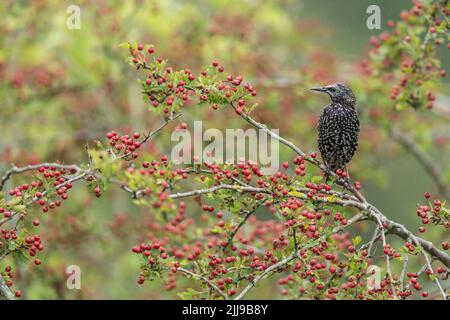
61,89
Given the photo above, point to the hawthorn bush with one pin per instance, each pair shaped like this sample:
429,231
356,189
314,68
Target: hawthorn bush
311,242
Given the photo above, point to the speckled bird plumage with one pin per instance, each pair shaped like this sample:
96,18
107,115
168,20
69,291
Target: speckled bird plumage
338,127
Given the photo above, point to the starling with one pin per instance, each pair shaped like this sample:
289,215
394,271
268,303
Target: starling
338,128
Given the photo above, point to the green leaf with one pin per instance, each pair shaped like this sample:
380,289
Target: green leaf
14,201
190,294
21,256
124,45
356,240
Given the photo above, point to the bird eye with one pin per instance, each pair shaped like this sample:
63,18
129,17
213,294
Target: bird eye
332,88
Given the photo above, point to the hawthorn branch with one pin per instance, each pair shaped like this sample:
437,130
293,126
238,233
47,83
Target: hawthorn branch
436,280
205,280
372,213
153,133
388,260
403,273
419,274
5,291
371,243
356,200
82,174
369,246
193,193
367,211
344,182
265,273
17,170
237,228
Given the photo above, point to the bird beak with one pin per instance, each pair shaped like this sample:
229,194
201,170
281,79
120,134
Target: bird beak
323,89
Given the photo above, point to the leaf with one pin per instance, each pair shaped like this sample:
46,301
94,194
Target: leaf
190,294
14,201
216,230
356,240
297,194
125,45
442,27
253,107
21,256
20,208
432,277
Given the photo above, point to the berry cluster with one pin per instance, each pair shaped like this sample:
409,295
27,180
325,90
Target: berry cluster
168,90
124,146
411,67
9,275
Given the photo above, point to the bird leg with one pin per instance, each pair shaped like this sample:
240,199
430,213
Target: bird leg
348,175
348,183
326,174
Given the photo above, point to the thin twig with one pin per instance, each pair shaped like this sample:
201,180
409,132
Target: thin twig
152,133
16,170
206,281
265,273
5,291
82,175
403,273
237,228
367,211
388,259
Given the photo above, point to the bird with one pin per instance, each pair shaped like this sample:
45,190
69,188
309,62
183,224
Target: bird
338,128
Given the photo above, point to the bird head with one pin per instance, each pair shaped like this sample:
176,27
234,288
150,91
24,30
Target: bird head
339,93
